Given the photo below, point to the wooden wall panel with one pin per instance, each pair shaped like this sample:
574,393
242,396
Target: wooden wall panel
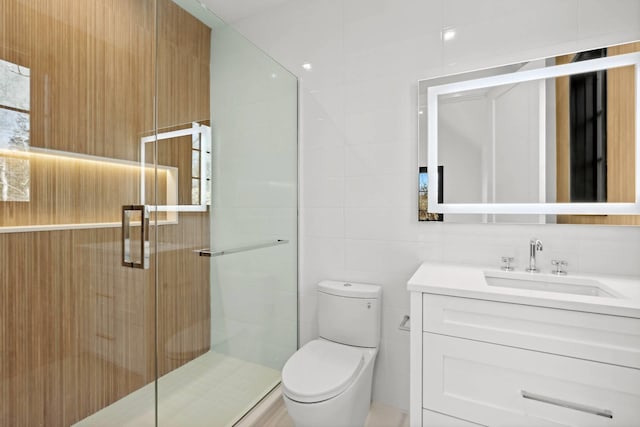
184,48
183,293
183,67
56,368
77,330
620,141
92,71
620,128
183,97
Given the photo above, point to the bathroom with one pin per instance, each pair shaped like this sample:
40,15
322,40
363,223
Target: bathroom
336,201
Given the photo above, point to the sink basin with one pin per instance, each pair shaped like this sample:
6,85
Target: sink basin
563,285
611,295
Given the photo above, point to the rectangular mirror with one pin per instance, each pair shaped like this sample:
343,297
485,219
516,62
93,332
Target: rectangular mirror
542,141
185,151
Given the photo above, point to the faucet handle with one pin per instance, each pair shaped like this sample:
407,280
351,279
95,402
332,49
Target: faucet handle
506,261
558,264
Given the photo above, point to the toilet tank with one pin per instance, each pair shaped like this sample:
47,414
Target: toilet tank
349,313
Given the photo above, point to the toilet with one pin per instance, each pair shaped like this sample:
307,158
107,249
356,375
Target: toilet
328,381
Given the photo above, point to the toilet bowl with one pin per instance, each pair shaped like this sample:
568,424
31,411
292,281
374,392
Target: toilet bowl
328,381
329,384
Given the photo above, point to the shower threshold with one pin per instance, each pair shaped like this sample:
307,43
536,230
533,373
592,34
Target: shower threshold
213,390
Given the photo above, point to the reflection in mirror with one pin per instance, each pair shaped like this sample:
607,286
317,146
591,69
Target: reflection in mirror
186,150
423,195
587,94
562,139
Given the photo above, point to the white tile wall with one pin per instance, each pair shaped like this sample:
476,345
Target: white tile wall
359,140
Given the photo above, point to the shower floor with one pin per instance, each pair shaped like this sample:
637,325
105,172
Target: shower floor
212,390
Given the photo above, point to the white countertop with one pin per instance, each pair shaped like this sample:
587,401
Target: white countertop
469,281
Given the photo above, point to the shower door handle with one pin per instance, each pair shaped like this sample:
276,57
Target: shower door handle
127,255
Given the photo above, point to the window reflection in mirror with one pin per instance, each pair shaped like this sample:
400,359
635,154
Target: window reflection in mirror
588,132
423,194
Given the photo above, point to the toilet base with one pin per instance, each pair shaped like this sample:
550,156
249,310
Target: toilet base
349,409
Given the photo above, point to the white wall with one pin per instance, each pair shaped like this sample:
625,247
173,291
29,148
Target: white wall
518,149
516,144
359,141
461,152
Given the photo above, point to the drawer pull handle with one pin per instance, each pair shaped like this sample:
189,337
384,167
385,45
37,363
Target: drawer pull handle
565,404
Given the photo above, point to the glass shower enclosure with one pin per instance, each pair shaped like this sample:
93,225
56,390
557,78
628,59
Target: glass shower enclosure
148,215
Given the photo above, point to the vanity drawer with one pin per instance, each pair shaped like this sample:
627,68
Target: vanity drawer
503,386
600,337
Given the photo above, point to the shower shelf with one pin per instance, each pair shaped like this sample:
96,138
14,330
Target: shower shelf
210,253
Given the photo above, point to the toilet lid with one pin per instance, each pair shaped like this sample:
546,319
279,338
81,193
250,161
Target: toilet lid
320,370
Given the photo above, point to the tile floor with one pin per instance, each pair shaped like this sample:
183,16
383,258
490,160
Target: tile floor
276,415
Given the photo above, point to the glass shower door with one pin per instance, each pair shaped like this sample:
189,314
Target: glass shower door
77,326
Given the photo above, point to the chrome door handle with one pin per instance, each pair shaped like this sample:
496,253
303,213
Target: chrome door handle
127,257
566,404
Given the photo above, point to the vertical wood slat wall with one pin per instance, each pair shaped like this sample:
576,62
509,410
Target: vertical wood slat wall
620,140
76,328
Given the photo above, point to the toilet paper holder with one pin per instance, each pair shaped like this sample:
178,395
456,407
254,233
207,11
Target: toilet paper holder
404,324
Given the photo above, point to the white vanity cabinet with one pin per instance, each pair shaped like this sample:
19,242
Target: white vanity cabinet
494,358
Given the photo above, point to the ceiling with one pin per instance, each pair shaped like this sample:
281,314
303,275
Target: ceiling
235,10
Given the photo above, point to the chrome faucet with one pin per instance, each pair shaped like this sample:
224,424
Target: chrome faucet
534,246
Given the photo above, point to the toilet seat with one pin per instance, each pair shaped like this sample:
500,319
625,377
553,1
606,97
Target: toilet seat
320,370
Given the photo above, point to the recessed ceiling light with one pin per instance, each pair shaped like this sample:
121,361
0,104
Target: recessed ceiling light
307,66
420,112
449,34
274,75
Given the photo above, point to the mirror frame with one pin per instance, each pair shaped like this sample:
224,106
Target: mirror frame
631,59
